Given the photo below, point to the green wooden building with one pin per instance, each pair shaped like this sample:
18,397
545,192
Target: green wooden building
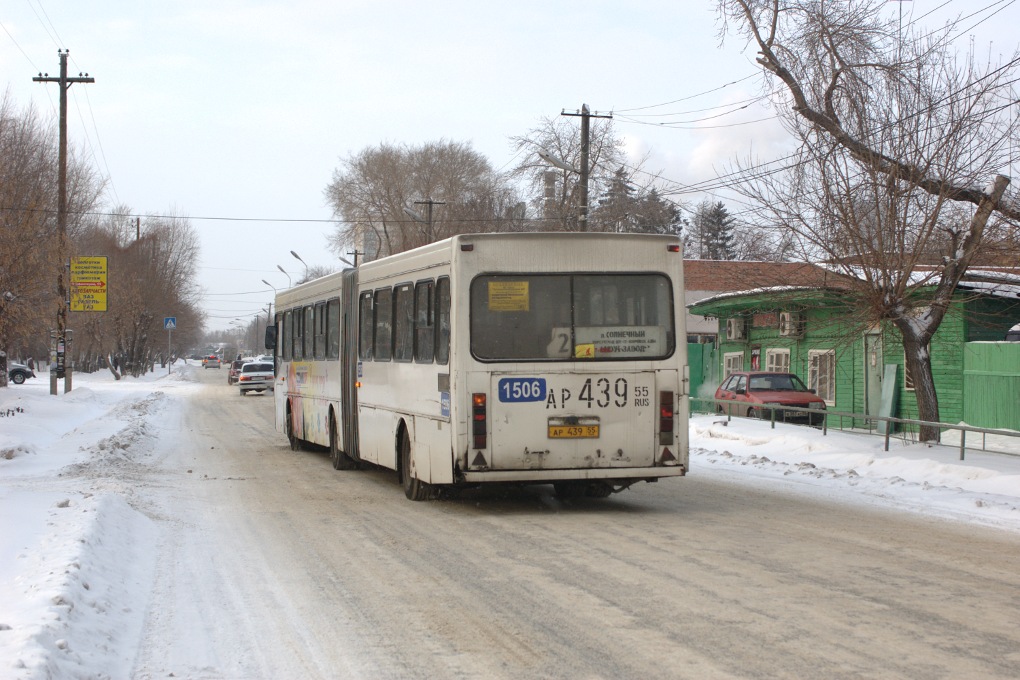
816,333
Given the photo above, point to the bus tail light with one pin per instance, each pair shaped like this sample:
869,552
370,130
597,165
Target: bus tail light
478,420
666,417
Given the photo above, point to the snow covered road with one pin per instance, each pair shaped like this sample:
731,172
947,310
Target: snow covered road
174,534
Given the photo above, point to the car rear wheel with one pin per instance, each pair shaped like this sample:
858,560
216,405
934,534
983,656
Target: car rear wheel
753,413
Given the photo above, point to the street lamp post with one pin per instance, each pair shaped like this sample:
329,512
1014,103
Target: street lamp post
290,284
302,262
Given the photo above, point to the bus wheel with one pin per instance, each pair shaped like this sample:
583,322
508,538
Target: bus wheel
295,443
599,490
341,461
414,489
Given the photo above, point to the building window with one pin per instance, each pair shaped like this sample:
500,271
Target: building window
822,374
777,360
732,362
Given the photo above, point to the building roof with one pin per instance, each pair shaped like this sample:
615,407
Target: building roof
726,276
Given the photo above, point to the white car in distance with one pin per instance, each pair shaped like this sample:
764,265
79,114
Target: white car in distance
255,376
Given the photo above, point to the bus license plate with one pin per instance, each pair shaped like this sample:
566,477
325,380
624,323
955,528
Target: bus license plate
573,432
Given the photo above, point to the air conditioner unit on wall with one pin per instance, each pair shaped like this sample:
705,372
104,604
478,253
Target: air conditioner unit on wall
791,324
736,329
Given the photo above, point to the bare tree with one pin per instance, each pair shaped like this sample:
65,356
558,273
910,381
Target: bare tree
554,192
373,191
153,271
896,137
28,254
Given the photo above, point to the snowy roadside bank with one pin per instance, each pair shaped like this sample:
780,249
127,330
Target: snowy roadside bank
851,467
76,559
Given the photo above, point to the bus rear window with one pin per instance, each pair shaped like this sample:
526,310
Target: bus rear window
571,317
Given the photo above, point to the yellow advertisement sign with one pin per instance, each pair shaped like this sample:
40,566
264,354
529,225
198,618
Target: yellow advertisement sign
508,296
88,284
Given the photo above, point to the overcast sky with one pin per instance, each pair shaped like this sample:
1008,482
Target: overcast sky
241,111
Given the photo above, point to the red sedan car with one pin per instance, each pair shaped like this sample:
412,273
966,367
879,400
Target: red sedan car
757,394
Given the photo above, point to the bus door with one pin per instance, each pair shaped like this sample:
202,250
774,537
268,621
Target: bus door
549,421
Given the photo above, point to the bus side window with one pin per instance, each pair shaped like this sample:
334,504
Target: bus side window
403,323
320,331
443,320
424,322
288,333
308,332
333,328
298,347
383,338
366,326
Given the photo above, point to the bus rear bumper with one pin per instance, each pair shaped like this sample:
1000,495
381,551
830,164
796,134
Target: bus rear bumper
634,474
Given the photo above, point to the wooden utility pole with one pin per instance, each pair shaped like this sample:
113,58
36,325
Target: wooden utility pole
428,217
586,116
63,369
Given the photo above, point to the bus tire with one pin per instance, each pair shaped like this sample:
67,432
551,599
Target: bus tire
414,489
340,460
295,443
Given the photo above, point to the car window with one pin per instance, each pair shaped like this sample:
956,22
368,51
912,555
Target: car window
741,383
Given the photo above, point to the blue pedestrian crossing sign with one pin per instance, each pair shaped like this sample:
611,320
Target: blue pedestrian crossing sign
169,323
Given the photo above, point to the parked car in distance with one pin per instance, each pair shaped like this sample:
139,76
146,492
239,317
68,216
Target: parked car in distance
757,394
255,375
19,373
211,361
235,371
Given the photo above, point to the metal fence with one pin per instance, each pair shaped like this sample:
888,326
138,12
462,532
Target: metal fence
718,406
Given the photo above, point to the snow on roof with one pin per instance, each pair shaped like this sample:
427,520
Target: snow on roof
756,291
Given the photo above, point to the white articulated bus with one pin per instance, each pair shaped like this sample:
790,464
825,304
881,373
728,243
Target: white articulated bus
555,358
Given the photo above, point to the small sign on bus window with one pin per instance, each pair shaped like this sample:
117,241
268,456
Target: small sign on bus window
508,296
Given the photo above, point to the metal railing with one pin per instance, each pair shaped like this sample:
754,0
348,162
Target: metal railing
719,406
